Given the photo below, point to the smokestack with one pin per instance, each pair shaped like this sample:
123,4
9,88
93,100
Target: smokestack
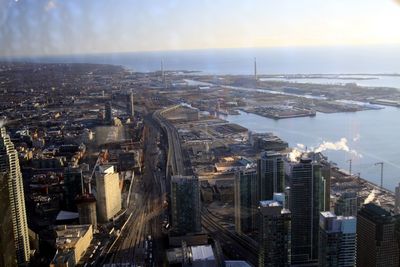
255,69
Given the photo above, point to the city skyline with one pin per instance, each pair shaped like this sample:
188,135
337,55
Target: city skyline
55,27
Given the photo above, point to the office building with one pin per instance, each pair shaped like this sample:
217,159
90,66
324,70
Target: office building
246,204
72,187
11,172
130,106
376,238
87,209
271,174
346,204
108,193
307,200
397,200
185,204
274,232
337,240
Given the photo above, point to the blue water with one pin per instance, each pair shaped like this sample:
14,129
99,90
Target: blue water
304,60
373,135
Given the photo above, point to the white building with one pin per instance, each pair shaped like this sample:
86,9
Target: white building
108,193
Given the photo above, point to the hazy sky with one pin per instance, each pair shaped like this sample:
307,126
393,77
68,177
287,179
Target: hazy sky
46,27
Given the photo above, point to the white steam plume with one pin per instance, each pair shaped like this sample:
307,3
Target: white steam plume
339,145
370,197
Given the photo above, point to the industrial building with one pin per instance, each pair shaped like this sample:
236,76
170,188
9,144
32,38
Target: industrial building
108,193
185,204
245,195
337,240
11,172
274,234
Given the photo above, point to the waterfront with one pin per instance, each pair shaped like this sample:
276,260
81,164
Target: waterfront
371,137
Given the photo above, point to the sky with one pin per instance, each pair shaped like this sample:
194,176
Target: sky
62,27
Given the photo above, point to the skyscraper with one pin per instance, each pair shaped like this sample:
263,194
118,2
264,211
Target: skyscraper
246,203
108,193
307,199
376,239
185,204
130,106
9,168
346,204
275,229
337,240
271,174
7,255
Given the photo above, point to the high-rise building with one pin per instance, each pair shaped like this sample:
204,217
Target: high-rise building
307,200
87,209
72,187
130,106
397,200
376,239
185,204
275,229
346,204
271,174
7,255
246,201
11,172
108,112
337,240
108,193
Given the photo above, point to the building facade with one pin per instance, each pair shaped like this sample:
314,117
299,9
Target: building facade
275,234
376,244
271,174
185,204
307,200
246,201
337,240
397,200
108,193
10,169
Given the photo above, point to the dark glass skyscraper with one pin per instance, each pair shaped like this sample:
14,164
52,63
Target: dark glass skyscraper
246,201
307,199
185,204
271,174
376,238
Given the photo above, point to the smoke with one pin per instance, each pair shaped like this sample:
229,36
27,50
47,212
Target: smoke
295,154
339,145
357,137
370,197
